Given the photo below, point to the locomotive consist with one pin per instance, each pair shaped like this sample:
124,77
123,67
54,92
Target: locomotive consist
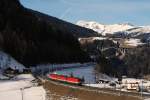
65,79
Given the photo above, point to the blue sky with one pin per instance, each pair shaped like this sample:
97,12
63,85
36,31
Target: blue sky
103,11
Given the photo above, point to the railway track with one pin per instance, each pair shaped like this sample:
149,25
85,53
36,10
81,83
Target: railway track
101,90
54,96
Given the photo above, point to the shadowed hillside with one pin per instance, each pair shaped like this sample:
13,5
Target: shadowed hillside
76,30
32,39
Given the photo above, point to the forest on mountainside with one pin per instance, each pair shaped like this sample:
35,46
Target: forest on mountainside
32,41
136,63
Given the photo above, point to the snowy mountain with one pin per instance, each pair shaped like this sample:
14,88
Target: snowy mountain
135,31
105,29
119,30
142,33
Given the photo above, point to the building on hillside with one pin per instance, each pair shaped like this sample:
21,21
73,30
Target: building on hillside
136,84
144,86
130,83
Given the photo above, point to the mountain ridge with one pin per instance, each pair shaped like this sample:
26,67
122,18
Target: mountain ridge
76,30
105,29
126,30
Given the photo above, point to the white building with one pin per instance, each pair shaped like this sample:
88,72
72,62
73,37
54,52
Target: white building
130,83
135,84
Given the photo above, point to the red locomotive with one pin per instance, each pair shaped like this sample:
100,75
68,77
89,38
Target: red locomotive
66,79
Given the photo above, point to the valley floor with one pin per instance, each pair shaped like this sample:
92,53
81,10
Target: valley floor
61,91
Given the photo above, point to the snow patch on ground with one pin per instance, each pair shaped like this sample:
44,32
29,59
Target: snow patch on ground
34,93
21,87
25,77
99,85
147,99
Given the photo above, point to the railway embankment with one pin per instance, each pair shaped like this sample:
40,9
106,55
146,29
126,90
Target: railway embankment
58,90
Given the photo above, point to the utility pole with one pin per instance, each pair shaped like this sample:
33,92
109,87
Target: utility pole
142,90
42,73
49,69
21,93
120,90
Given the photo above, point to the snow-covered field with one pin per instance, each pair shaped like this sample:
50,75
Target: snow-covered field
147,99
133,42
21,88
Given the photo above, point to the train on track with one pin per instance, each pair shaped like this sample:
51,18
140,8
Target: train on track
65,79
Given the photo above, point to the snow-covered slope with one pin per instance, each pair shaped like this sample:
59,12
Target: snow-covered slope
119,30
142,33
137,31
105,29
7,61
133,42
